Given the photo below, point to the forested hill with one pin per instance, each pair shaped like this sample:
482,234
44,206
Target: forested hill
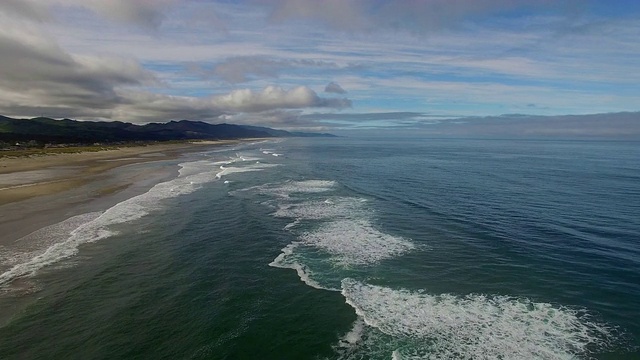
52,131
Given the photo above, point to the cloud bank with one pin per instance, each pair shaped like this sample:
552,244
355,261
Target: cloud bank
40,78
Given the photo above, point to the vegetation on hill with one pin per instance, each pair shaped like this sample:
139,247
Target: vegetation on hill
42,131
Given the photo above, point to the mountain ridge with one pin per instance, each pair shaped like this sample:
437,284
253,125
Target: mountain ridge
68,131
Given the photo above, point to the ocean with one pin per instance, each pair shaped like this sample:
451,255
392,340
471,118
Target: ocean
347,248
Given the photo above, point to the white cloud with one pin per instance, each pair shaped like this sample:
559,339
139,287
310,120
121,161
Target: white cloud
273,105
273,97
41,78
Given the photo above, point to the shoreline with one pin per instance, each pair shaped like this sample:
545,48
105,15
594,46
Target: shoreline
26,177
41,191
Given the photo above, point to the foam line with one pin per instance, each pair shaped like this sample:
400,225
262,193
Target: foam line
56,252
37,242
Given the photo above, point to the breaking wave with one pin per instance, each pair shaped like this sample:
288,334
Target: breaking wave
474,326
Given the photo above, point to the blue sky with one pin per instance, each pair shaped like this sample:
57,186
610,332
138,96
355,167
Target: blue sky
269,62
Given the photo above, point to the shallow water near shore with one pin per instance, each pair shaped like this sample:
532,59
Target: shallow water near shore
347,249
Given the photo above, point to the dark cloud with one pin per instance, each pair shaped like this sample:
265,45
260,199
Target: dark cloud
148,14
333,87
36,73
25,9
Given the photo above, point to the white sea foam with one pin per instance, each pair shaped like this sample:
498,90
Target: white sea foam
37,242
97,228
354,335
200,166
291,225
284,190
286,260
308,186
221,163
356,242
193,167
293,187
249,168
474,326
243,158
305,275
248,158
344,207
86,232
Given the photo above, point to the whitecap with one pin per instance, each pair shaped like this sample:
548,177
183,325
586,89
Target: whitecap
356,242
474,326
250,168
284,190
292,187
354,336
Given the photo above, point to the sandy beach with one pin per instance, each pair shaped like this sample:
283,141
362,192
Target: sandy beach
39,191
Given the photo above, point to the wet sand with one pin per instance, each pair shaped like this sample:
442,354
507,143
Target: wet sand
39,191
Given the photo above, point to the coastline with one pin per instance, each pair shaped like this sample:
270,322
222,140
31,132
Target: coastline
41,191
22,178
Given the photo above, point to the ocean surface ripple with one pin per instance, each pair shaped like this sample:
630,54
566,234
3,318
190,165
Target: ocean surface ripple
348,249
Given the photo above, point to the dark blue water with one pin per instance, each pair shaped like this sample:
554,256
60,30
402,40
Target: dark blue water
351,249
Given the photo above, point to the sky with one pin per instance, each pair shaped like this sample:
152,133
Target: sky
321,65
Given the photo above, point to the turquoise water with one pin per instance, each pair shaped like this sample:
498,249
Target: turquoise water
349,249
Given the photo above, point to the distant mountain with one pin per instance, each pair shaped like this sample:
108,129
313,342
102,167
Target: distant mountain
282,133
67,131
